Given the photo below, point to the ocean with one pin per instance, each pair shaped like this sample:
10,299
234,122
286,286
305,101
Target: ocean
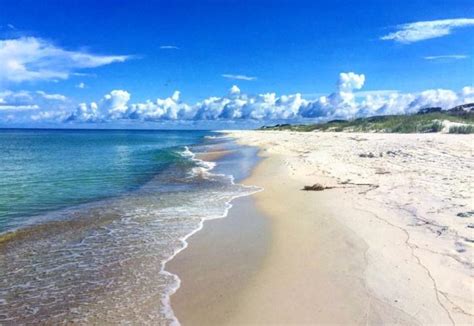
89,218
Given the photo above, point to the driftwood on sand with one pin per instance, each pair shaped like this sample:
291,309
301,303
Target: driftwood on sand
316,187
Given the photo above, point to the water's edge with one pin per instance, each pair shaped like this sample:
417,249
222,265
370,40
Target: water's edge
167,297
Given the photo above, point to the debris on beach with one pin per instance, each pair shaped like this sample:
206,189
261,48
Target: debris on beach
397,153
465,214
369,155
459,247
316,187
358,139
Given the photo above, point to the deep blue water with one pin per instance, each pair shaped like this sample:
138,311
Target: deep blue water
46,170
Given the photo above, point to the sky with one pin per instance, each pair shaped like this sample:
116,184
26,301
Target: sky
219,64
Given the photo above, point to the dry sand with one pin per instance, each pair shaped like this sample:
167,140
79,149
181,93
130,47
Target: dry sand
386,245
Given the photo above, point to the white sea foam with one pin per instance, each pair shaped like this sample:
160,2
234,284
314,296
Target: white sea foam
202,168
217,136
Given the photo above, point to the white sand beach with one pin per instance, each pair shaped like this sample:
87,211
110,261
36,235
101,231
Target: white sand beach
391,242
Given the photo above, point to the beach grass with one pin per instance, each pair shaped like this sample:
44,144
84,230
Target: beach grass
461,129
416,123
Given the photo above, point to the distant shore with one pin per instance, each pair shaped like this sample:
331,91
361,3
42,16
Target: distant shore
386,243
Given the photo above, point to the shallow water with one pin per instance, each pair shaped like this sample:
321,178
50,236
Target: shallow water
103,260
45,170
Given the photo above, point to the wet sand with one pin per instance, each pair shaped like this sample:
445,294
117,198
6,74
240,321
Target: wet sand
219,259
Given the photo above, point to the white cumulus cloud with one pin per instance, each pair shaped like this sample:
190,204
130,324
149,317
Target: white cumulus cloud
349,81
31,58
424,30
112,106
115,103
340,103
170,108
234,90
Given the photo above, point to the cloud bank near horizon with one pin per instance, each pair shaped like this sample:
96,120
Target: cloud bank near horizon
344,103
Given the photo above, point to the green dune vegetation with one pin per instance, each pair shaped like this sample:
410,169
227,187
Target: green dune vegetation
458,120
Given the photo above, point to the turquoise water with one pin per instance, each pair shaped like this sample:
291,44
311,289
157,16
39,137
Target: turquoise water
97,214
45,170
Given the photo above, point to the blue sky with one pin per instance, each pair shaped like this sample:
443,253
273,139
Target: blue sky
202,48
